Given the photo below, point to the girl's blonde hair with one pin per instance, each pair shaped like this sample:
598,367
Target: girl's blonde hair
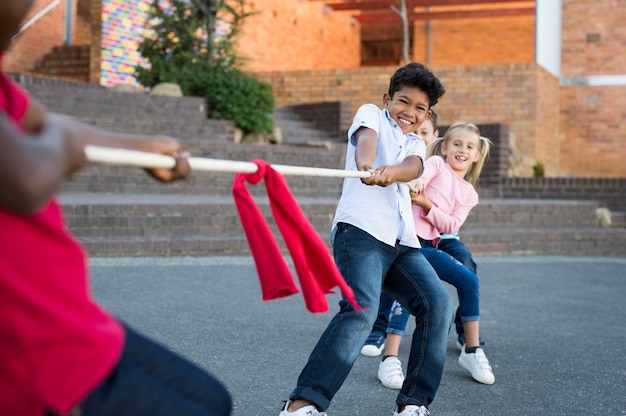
484,144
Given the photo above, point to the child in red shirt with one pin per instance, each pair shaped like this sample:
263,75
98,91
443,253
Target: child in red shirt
60,352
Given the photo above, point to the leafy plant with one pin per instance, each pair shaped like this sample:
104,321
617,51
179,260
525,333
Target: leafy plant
178,51
539,171
232,94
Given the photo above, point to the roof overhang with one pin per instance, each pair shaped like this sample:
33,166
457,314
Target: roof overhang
380,11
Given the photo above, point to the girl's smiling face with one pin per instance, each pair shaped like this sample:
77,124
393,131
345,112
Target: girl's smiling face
461,151
408,107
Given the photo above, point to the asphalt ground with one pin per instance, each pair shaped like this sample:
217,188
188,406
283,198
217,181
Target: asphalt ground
554,327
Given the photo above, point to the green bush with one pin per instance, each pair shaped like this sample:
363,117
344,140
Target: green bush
177,54
539,171
232,95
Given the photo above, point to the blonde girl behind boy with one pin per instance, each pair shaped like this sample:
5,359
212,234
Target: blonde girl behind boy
444,197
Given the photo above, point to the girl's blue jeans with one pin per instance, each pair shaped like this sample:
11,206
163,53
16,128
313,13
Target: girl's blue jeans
151,380
368,265
459,251
393,320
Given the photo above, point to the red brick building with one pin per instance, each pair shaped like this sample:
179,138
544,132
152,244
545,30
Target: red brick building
561,92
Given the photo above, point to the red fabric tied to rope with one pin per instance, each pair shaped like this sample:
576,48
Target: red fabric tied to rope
316,269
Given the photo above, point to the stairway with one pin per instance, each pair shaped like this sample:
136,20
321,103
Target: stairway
120,211
67,61
540,227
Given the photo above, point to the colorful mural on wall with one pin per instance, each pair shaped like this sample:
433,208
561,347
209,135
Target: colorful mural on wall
122,29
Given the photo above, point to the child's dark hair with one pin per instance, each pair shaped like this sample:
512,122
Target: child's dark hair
417,75
433,119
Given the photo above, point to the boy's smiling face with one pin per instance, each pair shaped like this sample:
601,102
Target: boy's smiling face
12,12
408,107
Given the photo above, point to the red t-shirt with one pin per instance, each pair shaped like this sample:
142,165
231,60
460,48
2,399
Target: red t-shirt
56,343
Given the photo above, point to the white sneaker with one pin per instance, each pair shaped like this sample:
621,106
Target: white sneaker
478,365
390,373
412,410
303,411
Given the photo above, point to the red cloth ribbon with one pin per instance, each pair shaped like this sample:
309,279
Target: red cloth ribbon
316,269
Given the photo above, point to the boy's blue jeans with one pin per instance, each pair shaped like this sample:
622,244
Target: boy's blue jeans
151,380
367,265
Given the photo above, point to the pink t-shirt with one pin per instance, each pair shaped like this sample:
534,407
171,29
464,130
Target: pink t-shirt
56,343
452,197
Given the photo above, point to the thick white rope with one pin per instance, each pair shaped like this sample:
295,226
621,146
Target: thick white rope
125,157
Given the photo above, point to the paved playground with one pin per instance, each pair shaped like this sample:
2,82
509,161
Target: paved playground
554,327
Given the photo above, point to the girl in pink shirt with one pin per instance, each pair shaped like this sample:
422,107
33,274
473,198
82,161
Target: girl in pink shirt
443,198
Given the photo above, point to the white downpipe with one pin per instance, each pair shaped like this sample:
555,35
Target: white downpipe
68,29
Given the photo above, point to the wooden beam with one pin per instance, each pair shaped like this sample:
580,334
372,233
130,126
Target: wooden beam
386,4
467,14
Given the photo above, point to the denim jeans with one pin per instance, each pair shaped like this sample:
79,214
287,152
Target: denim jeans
368,265
393,321
452,271
459,251
151,380
392,317
456,249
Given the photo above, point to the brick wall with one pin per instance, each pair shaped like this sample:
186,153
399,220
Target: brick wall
548,133
95,12
287,35
511,94
38,39
593,140
593,36
45,34
593,118
333,118
83,23
522,96
609,192
477,41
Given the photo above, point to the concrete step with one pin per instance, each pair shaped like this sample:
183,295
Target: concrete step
181,117
149,225
518,213
145,225
91,103
299,132
569,241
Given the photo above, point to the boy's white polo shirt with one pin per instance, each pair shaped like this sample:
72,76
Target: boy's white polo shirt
383,212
